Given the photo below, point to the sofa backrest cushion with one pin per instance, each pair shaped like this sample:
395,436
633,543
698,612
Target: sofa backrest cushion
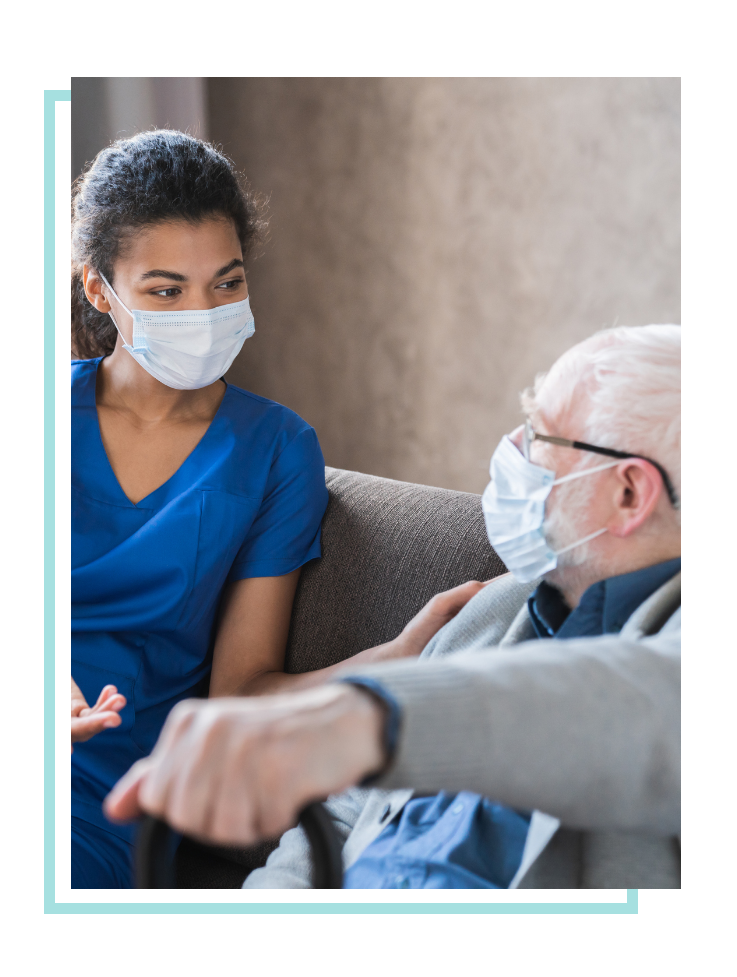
388,547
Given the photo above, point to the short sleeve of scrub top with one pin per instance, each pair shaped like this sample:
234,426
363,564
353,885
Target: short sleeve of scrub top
147,578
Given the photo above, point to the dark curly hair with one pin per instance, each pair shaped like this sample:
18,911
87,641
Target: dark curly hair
151,178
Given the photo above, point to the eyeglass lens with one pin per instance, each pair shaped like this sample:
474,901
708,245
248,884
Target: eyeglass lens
527,438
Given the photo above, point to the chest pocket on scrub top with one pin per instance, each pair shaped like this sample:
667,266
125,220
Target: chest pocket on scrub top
225,522
108,659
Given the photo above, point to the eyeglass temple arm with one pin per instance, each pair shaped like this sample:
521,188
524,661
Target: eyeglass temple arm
612,453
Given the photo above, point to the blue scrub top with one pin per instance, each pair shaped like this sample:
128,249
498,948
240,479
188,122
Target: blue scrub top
147,578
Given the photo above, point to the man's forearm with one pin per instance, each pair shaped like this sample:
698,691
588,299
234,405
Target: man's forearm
587,731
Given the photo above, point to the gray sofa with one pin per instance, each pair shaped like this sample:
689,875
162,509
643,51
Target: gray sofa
388,547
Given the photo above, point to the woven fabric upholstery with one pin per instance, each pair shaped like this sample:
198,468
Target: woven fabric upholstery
388,547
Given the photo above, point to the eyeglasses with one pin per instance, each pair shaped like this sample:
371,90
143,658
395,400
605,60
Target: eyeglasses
531,435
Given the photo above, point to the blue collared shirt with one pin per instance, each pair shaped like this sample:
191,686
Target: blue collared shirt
465,841
604,607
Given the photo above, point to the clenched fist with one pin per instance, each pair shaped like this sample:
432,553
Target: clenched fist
237,770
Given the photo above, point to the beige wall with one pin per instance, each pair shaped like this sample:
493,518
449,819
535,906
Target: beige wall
104,109
436,242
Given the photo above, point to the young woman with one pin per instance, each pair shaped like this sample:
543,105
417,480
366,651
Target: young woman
185,490
194,503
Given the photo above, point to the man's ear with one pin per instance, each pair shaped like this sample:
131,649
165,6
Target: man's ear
93,286
639,486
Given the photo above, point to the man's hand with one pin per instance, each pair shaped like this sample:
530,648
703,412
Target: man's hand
434,615
236,771
87,722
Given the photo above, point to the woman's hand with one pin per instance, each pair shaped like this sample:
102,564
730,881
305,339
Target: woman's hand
252,614
434,615
87,722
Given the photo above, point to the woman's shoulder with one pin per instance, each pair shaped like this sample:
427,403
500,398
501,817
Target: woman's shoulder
248,407
82,366
84,374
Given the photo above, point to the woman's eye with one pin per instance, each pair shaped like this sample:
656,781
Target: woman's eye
168,293
233,283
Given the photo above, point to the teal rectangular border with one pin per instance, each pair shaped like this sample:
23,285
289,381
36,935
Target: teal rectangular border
220,908
49,455
356,908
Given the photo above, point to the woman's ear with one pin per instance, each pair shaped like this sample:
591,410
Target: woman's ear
639,487
93,286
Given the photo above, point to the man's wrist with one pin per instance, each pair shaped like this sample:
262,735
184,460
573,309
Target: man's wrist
391,718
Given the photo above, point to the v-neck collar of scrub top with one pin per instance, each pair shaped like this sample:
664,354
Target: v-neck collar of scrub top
157,498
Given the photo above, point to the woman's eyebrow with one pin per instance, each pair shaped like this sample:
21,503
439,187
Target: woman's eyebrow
176,276
158,273
235,263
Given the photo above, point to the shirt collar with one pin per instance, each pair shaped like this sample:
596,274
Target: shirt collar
604,607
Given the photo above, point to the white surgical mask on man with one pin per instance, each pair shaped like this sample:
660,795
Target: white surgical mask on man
188,349
514,511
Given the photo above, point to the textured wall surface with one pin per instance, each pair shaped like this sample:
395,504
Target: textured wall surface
436,242
104,109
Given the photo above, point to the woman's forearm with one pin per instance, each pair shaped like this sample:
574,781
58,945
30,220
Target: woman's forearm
272,683
245,601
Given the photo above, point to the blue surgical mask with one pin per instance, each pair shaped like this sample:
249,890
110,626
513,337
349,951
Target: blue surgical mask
188,349
514,511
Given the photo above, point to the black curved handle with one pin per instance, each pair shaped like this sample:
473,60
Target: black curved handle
327,856
156,848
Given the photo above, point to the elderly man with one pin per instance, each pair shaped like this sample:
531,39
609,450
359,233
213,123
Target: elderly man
537,742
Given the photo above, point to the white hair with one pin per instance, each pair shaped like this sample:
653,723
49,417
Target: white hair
623,386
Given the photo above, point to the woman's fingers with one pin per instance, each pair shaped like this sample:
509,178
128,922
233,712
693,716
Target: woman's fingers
85,727
79,703
449,603
115,703
87,722
94,722
108,693
437,612
109,700
457,598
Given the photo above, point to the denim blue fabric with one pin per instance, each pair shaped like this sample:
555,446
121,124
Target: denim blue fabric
147,578
465,841
449,841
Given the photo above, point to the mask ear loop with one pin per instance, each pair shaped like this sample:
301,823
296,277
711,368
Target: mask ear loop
110,313
586,471
570,478
580,542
